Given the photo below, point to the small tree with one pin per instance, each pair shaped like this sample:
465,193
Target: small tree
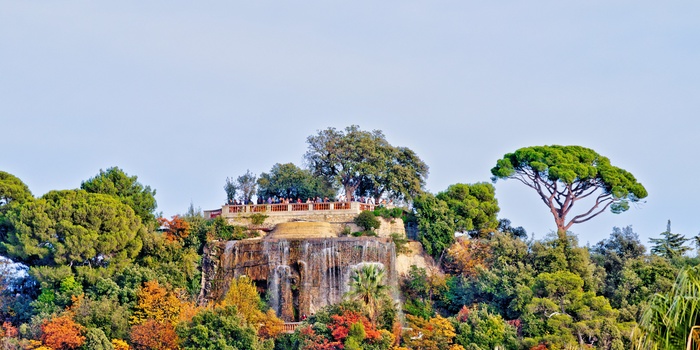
156,335
367,220
246,184
367,286
230,188
62,333
671,245
244,296
157,303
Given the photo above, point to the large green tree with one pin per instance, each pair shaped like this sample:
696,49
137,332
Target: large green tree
402,176
564,175
116,182
73,228
436,224
354,159
290,181
474,207
613,253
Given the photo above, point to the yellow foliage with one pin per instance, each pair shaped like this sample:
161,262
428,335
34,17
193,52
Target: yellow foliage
33,344
434,334
244,296
270,326
157,303
120,344
387,335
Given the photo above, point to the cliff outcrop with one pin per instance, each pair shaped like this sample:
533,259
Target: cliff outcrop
299,275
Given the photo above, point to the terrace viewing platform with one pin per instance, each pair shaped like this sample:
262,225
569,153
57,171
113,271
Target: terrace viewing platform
291,209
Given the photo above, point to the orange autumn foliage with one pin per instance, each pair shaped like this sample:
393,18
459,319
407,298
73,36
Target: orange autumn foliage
187,310
310,340
340,326
8,330
466,256
152,334
176,229
62,333
156,302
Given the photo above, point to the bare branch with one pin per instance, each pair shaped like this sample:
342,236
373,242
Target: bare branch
603,198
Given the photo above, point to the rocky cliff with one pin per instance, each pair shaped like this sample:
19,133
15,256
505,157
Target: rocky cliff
298,275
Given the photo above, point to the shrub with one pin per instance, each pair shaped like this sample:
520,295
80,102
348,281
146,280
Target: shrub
367,221
364,233
393,213
258,219
400,242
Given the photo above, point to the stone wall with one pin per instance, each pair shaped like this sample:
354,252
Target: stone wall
337,222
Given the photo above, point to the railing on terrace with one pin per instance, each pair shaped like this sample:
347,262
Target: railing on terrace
289,327
297,207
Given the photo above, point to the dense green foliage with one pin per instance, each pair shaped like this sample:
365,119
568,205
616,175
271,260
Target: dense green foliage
221,328
106,274
12,189
367,221
115,182
474,207
73,228
562,175
289,181
364,163
436,225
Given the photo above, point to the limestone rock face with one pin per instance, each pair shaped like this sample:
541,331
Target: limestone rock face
299,275
287,230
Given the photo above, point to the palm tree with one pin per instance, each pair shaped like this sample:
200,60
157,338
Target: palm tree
669,321
367,286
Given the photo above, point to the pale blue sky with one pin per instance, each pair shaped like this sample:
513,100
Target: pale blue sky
184,94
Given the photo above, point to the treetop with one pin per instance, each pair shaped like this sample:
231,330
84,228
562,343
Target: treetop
571,165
